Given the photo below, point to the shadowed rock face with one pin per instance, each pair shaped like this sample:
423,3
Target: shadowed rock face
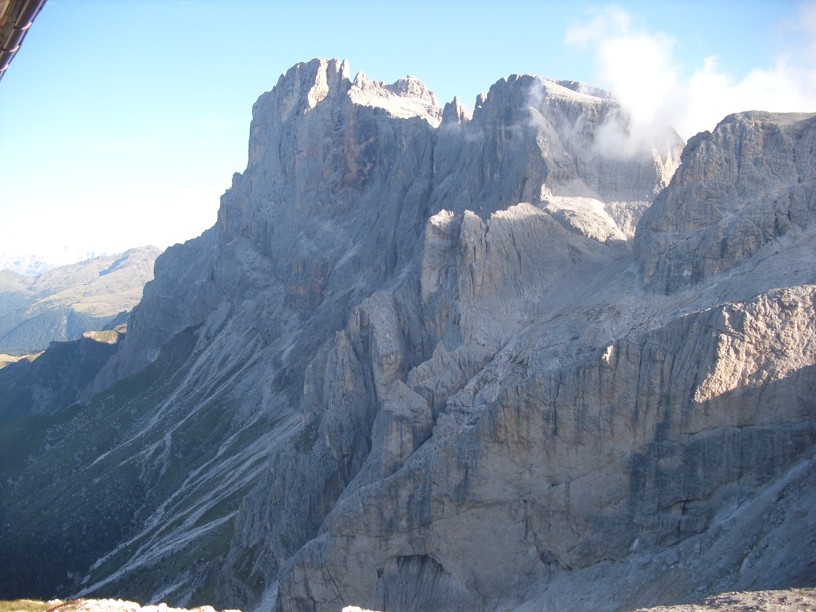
417,364
55,379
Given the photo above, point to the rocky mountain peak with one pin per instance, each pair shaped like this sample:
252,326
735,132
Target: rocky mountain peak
342,176
414,366
455,113
548,134
308,83
535,90
412,87
404,98
583,88
738,189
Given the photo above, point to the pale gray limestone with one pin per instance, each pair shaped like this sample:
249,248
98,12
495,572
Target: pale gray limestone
435,374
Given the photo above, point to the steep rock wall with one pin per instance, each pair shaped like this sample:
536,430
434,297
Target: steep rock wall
746,184
535,470
415,363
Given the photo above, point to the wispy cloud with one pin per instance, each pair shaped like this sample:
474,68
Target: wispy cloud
641,68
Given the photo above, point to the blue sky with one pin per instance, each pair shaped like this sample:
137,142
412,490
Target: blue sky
122,121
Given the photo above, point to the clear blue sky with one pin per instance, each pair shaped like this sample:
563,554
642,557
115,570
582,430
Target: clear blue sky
122,121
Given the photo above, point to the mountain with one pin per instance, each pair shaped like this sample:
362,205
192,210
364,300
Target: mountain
27,265
33,265
54,380
428,360
62,303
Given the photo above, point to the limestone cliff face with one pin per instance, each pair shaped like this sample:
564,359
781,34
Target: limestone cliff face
747,184
342,176
537,468
549,423
417,364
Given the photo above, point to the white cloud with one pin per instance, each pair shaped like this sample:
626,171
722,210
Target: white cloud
640,67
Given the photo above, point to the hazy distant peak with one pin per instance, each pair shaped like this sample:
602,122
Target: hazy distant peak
34,264
27,265
65,301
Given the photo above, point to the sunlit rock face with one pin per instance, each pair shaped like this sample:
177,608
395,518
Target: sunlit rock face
740,188
418,364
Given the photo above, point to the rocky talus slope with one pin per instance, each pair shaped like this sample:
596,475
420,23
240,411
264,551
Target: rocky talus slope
63,303
429,360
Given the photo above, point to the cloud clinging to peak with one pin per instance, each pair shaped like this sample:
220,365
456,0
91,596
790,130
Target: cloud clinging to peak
641,68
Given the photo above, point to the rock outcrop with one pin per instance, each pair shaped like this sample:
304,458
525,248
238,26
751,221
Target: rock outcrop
417,364
723,207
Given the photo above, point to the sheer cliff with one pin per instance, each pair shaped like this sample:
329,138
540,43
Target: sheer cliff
424,359
724,207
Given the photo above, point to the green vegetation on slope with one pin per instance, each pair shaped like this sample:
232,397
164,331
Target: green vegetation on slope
57,490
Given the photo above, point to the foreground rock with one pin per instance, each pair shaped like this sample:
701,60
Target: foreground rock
95,605
760,601
800,600
418,364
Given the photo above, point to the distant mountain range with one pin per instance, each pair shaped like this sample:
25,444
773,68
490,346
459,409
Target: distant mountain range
64,302
34,265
